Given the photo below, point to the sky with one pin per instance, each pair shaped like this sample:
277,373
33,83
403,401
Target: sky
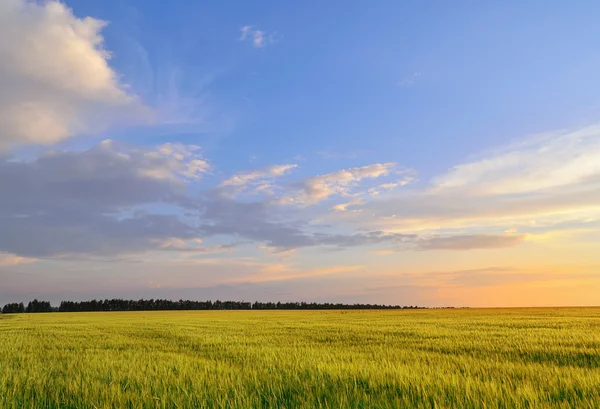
413,153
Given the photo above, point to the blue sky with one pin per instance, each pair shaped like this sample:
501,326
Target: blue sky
474,76
440,150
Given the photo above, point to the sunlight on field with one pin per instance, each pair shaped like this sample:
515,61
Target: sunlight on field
318,359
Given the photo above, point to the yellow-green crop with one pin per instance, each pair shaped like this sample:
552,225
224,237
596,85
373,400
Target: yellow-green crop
519,358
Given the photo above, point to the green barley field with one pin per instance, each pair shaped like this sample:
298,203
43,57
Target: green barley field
512,358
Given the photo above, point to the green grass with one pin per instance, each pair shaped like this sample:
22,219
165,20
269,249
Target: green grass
519,358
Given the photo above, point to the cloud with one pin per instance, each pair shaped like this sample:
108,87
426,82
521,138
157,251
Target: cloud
55,77
243,178
271,225
318,188
259,38
374,191
469,242
95,202
536,164
281,253
176,160
258,179
194,246
541,181
343,207
366,239
408,241
7,259
409,80
105,177
255,221
309,190
114,199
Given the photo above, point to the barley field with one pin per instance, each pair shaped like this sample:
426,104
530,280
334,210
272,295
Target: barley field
512,358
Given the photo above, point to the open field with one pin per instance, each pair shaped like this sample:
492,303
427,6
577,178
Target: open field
527,358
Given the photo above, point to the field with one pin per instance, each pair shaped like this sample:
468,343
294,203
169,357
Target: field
514,358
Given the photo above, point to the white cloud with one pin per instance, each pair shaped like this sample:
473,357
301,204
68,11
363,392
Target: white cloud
259,180
55,78
318,188
178,161
259,38
343,207
542,181
374,191
244,178
533,165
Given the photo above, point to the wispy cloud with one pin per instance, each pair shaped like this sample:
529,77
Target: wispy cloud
409,80
343,207
536,164
244,178
257,180
542,181
7,259
374,191
317,188
259,38
469,242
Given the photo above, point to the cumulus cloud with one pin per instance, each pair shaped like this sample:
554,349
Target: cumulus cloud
94,201
55,78
176,160
255,221
114,199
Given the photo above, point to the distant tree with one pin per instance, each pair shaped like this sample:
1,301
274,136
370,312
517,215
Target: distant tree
13,308
162,304
38,306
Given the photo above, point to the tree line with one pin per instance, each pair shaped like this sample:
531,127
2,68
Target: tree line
33,306
162,305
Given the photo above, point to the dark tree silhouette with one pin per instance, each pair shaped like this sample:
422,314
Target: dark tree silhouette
162,304
38,306
13,308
